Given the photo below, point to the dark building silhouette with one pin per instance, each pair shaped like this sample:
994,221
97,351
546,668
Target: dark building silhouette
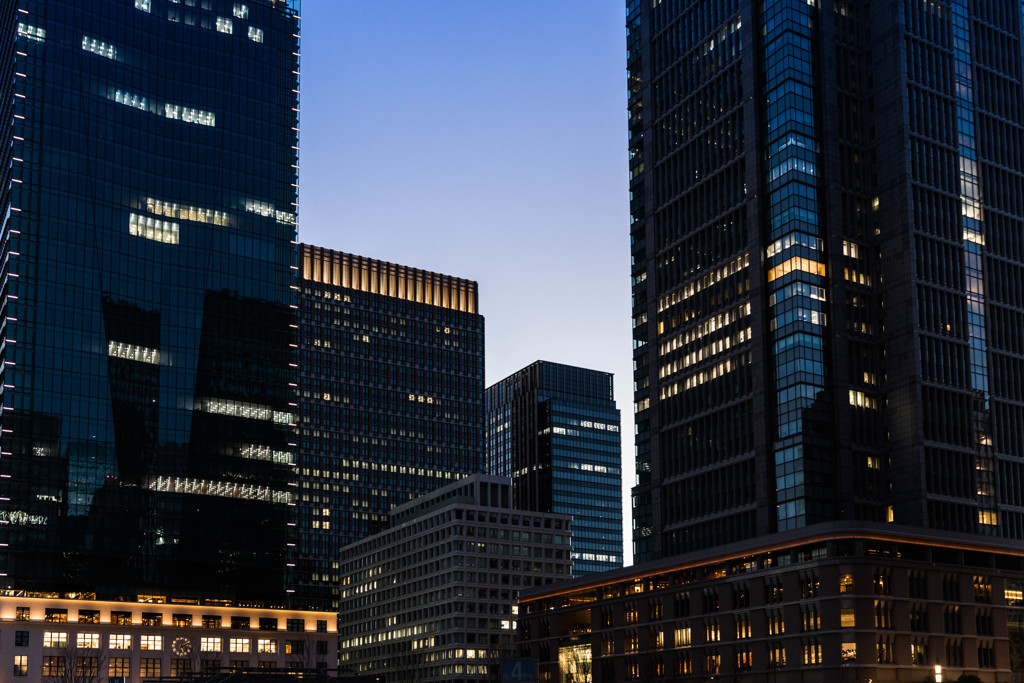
826,238
554,429
391,382
149,403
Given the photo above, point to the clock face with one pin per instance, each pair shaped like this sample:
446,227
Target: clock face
182,647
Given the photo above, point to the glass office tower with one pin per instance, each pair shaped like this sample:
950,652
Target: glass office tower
826,224
554,429
391,400
149,401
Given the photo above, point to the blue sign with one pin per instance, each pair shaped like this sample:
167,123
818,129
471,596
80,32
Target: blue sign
519,671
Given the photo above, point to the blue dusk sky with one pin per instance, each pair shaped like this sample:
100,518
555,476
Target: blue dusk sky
483,139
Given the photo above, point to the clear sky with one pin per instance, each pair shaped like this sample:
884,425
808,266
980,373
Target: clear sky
484,139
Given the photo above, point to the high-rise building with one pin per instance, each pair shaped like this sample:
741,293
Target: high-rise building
826,244
149,372
554,429
434,597
826,222
391,383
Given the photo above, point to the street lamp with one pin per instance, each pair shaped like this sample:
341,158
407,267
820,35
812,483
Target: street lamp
938,673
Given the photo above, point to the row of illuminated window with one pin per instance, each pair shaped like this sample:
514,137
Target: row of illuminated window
98,47
175,112
258,452
794,239
705,352
222,24
123,641
34,33
154,229
268,210
792,164
701,283
187,213
133,352
698,331
862,400
222,489
698,378
797,263
250,411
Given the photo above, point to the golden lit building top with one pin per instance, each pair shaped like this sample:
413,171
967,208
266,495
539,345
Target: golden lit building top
363,274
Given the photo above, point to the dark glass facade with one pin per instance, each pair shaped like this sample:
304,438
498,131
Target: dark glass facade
149,369
391,383
826,238
554,429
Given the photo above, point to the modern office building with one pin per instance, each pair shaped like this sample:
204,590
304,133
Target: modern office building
434,597
149,371
391,381
554,429
826,240
826,224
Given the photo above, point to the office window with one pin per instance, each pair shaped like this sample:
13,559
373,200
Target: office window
21,665
57,616
181,620
294,647
120,641
240,622
87,668
207,644
268,623
152,619
53,665
296,624
149,667
89,641
211,621
151,642
121,618
266,646
238,645
21,638
119,666
321,626
55,639
88,616
22,613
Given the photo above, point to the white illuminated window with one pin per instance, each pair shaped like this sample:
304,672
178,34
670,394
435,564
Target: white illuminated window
89,641
153,229
266,646
238,645
120,641
144,5
255,34
55,639
224,25
151,642
207,644
31,32
141,354
98,47
241,11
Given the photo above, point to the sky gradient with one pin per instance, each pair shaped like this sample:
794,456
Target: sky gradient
485,140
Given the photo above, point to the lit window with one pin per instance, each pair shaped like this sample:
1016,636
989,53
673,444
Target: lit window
119,666
224,25
120,641
266,646
151,642
849,652
255,34
209,644
187,213
55,639
21,665
238,645
153,229
31,32
989,517
98,47
846,618
141,354
144,5
241,11
89,641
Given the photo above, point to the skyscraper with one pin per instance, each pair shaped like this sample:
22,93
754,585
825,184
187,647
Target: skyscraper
554,429
149,401
391,383
826,226
826,221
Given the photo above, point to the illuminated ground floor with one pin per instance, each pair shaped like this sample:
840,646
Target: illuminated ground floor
832,603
